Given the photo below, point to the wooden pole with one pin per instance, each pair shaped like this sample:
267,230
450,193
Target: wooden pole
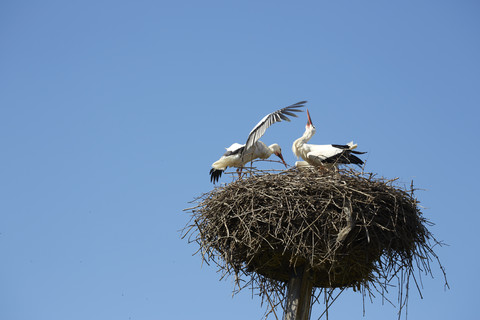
299,295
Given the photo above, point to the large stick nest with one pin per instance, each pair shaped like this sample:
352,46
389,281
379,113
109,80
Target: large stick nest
348,229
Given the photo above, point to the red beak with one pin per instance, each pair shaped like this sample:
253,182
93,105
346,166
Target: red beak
281,158
309,119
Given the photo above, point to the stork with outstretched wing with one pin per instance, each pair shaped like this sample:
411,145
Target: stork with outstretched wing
238,155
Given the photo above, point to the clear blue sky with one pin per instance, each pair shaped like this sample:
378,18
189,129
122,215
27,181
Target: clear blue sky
111,113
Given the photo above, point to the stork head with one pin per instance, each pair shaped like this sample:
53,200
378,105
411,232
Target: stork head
309,128
278,152
309,122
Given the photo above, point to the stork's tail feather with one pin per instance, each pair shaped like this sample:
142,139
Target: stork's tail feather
352,145
215,174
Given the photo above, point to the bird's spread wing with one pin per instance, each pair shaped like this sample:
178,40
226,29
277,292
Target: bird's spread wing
270,119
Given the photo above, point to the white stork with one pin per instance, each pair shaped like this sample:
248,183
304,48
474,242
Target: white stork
323,155
238,155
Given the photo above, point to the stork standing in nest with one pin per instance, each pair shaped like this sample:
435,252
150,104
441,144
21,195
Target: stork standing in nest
323,156
238,155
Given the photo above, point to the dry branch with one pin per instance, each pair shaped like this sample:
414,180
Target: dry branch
348,230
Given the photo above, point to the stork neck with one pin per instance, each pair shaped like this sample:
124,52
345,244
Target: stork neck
270,150
298,144
308,134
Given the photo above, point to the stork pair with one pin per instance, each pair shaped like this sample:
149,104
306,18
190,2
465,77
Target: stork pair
321,156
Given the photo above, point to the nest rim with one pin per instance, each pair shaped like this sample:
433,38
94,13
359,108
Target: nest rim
267,261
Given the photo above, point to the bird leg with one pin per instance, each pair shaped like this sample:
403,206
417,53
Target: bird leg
322,169
327,168
239,172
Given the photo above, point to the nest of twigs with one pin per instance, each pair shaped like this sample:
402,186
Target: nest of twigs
347,229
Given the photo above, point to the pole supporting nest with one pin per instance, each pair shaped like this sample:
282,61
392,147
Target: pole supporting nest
299,295
295,234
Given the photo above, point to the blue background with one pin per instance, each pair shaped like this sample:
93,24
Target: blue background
111,113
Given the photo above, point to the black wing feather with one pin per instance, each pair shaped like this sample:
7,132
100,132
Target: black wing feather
215,174
357,152
341,146
345,157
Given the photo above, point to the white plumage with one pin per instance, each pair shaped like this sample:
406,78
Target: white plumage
238,155
323,155
233,157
